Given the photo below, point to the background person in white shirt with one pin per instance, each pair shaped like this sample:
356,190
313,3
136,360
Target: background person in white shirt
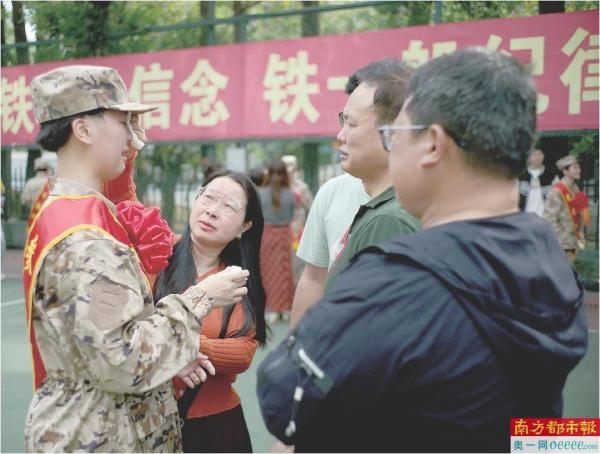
332,212
534,184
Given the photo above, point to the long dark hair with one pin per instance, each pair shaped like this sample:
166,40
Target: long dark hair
278,179
244,252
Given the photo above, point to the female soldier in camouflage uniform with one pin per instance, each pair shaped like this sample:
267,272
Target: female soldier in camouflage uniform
103,354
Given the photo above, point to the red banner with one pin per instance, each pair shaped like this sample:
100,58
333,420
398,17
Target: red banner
284,89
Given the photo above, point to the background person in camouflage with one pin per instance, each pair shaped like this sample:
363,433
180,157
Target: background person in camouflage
109,354
566,207
34,185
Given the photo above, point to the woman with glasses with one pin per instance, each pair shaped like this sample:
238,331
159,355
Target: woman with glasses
224,229
278,204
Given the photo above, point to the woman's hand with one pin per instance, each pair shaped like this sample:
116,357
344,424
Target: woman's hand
195,372
227,286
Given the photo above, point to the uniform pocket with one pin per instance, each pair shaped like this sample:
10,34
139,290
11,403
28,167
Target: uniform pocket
149,411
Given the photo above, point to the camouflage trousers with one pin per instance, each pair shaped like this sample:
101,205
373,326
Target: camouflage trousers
68,415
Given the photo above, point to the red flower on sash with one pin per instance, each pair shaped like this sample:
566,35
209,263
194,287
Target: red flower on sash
149,233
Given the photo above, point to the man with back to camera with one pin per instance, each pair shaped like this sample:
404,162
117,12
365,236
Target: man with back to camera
432,342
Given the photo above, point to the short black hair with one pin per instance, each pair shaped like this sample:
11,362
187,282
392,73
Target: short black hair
485,101
55,133
257,175
390,78
210,165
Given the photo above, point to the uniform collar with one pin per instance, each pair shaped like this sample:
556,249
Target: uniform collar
382,198
63,186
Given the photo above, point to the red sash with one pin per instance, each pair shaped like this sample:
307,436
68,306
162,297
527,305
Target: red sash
56,220
37,206
574,205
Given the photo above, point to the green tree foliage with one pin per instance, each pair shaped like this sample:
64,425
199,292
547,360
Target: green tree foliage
585,148
87,28
6,30
580,6
465,10
75,27
18,17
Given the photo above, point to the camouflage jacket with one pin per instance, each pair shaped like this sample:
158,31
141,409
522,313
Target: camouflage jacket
109,353
557,213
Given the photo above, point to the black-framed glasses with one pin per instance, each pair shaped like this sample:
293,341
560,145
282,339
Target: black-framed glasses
386,133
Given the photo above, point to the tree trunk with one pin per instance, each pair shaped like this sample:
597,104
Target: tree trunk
20,34
419,13
310,21
310,27
239,28
97,19
207,11
5,61
551,7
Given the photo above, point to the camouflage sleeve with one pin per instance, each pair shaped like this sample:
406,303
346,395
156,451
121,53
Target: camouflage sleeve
552,208
120,341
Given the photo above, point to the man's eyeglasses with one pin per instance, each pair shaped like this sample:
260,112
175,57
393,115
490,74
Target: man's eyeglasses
207,197
386,133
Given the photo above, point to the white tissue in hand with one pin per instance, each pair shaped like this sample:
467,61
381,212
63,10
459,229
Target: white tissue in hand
235,268
135,141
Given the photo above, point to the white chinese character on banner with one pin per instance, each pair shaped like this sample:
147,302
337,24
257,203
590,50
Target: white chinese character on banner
153,87
204,83
581,76
417,55
16,105
285,79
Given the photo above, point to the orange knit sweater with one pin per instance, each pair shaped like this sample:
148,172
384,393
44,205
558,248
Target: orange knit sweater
230,356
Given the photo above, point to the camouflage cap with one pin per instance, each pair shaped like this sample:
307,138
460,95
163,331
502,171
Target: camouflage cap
565,162
70,90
